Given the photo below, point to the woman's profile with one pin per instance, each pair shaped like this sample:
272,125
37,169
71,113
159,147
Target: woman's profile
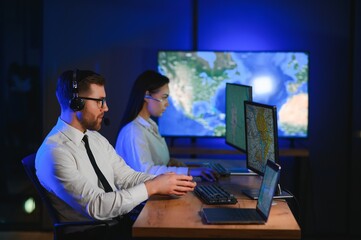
138,141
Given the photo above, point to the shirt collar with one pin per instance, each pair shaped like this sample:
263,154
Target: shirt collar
70,132
149,124
143,122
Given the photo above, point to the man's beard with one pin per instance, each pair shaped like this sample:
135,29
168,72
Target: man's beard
92,125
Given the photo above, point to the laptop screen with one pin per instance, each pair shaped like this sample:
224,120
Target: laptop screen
268,187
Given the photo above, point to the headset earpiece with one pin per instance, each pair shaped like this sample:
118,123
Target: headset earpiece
76,103
147,96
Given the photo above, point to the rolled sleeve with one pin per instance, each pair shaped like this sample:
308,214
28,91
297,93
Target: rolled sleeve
138,195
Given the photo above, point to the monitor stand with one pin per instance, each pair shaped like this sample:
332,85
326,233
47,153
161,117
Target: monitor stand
241,171
279,194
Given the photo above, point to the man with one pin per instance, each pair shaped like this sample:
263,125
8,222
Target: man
64,162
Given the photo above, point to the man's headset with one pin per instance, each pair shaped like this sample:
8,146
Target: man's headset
76,103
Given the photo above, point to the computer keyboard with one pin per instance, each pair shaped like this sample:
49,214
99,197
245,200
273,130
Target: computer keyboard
214,194
217,167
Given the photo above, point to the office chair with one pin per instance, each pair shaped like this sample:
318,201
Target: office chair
66,230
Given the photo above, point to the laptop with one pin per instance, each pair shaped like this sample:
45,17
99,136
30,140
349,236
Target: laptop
260,214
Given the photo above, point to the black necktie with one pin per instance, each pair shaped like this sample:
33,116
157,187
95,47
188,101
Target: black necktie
100,175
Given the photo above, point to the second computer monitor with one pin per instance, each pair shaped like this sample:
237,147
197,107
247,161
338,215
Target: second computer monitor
261,135
236,94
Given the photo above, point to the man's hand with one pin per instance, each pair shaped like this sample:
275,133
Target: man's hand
170,183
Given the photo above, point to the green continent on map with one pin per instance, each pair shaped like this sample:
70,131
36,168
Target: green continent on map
204,77
264,135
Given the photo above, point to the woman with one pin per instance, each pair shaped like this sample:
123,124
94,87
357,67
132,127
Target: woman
139,141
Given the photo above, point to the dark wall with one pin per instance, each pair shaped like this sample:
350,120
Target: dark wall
20,95
119,39
355,165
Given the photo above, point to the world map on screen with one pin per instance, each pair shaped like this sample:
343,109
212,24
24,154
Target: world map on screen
198,81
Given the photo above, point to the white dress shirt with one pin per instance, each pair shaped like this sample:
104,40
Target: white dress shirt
64,169
144,149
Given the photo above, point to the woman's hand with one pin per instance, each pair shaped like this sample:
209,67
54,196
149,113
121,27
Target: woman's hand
175,163
206,173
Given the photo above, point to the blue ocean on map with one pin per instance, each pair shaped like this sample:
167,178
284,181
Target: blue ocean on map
198,82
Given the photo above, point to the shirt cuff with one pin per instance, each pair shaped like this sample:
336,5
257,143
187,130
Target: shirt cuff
182,170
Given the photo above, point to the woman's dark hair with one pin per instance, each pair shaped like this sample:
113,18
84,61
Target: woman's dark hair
149,81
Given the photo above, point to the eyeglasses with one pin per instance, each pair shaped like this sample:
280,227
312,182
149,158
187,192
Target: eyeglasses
99,100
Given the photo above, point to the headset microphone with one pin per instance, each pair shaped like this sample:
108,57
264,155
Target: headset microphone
76,103
150,97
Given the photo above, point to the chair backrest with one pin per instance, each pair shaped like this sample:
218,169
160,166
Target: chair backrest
90,230
29,165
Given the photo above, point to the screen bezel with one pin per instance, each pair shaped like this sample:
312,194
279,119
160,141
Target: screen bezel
274,170
249,88
275,133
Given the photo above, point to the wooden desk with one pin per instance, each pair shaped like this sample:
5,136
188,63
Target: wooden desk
164,216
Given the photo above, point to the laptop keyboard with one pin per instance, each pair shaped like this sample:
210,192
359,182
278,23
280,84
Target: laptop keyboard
214,194
217,167
250,214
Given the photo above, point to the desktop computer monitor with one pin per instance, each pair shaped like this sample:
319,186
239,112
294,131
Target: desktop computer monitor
235,135
261,135
261,141
236,94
